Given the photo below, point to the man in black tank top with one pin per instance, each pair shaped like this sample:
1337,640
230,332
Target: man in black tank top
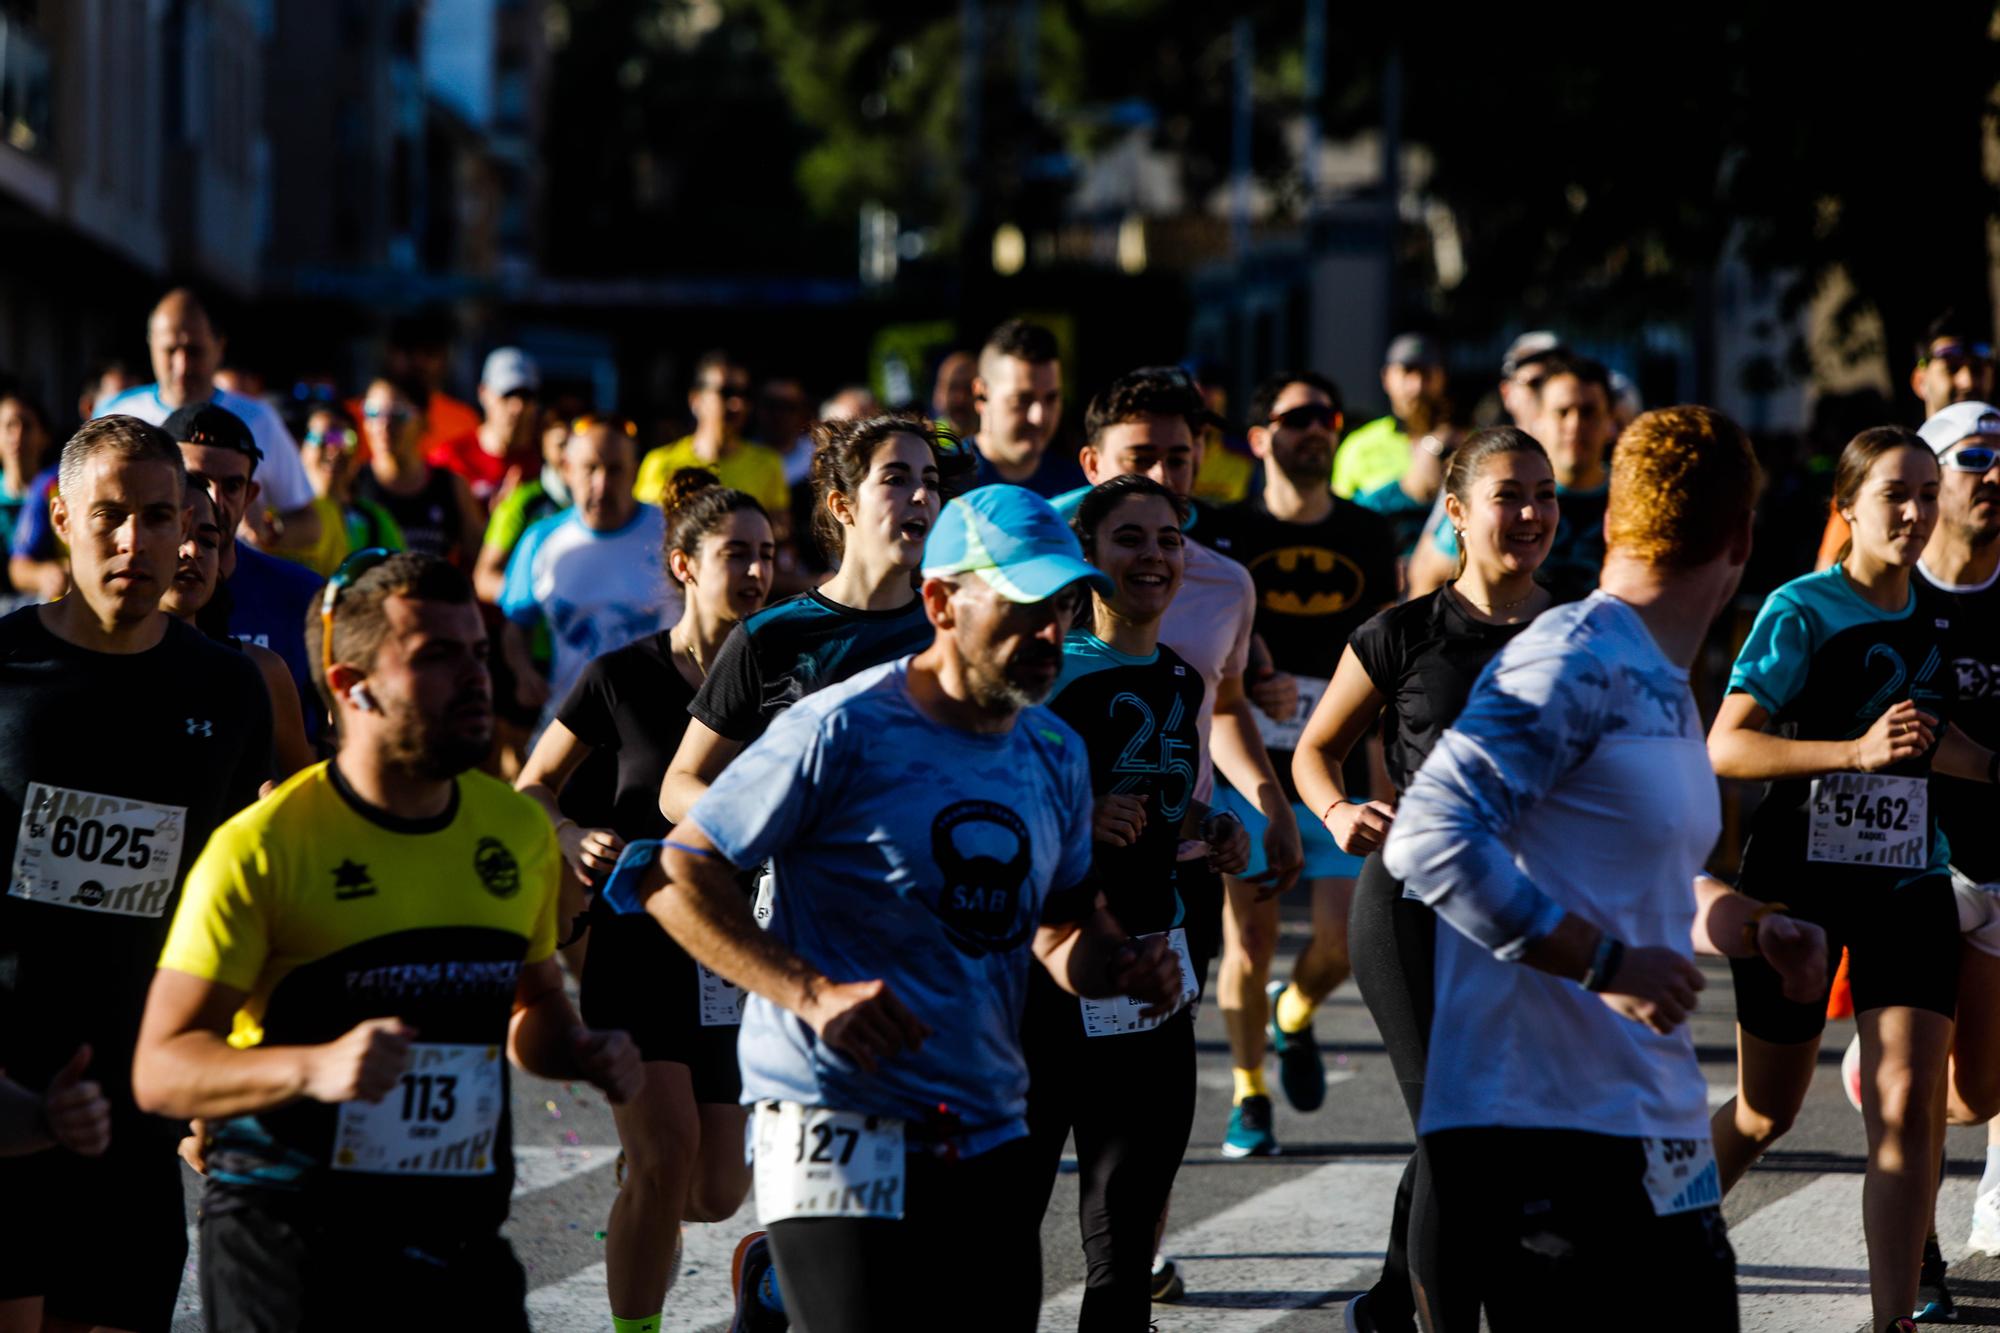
432,505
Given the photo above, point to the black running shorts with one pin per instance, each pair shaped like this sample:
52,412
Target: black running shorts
1902,943
103,1240
636,979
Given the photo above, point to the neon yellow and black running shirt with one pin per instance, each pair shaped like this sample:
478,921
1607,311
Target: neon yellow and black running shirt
327,912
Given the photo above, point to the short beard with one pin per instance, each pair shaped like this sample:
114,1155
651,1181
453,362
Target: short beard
993,692
432,753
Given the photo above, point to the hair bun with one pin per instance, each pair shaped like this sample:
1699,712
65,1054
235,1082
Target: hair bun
684,485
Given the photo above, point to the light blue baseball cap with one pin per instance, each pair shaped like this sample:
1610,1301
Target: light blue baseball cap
1014,540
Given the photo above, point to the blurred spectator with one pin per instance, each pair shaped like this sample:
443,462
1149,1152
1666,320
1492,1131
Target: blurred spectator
433,506
951,393
111,379
419,355
518,510
186,350
505,441
591,574
1227,473
1019,396
720,397
851,404
784,421
27,477
1407,501
331,452
1954,364
262,600
1522,370
1375,453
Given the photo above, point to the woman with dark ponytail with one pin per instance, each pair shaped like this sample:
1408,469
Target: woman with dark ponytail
597,771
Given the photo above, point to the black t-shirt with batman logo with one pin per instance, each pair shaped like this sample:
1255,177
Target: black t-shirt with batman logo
1965,809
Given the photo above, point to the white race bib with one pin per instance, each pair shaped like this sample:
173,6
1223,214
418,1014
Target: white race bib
1869,819
809,1161
1681,1175
96,853
721,1001
1122,1014
1285,735
440,1119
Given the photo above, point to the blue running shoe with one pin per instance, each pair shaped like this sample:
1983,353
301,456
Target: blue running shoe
1301,1071
1934,1302
754,1279
1250,1130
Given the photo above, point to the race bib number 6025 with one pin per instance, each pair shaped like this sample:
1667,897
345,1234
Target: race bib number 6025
96,853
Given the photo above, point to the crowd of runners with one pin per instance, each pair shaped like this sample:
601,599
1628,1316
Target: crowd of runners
885,791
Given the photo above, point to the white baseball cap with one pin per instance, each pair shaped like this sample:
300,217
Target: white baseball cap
510,370
1959,422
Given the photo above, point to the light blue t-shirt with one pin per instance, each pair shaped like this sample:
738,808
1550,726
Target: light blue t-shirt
914,852
595,591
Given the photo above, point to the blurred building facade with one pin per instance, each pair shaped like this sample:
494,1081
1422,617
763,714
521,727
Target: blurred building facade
281,153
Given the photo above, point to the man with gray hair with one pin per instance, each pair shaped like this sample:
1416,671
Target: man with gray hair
126,736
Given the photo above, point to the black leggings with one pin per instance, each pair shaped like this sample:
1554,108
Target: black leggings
1130,1100
1550,1228
1392,941
967,1254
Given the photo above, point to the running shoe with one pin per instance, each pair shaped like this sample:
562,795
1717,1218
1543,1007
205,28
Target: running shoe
1250,1130
1985,1237
1167,1284
1934,1302
752,1276
1301,1071
1850,1071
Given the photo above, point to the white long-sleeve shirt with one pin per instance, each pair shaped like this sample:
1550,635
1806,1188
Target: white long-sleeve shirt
1576,780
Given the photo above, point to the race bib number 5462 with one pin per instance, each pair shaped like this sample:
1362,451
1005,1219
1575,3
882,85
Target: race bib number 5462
1869,819
96,853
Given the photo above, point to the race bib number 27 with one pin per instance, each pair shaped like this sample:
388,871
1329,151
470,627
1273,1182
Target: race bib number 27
96,853
812,1161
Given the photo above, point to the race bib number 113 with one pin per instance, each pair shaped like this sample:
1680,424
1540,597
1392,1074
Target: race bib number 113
439,1120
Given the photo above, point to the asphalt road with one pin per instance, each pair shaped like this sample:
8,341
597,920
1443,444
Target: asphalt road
1279,1244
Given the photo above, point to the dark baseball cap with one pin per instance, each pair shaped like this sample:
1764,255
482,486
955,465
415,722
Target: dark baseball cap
1413,349
212,427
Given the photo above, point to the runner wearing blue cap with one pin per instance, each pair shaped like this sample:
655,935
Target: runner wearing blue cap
929,828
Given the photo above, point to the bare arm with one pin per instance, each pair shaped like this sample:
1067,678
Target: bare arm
183,1066
471,520
546,1038
592,853
1739,747
530,689
1430,568
1239,755
699,761
489,572
1727,924
45,579
1095,958
1344,715
289,747
1962,757
694,896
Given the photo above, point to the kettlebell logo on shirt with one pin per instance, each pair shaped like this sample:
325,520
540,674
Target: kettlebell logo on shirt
497,868
984,852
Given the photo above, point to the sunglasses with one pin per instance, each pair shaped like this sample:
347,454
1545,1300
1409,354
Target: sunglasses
734,393
590,421
1306,416
337,439
396,412
351,569
1959,351
1972,458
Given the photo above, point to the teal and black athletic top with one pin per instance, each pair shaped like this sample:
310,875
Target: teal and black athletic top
794,647
1137,717
1825,662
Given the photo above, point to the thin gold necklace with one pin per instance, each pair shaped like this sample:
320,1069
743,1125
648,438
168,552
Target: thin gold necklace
1497,607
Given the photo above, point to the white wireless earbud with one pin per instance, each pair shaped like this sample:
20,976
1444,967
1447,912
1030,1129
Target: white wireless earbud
363,699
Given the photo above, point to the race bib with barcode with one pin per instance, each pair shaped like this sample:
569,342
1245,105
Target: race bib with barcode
721,1001
1122,1014
1284,734
1681,1175
96,853
810,1161
1869,819
439,1120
